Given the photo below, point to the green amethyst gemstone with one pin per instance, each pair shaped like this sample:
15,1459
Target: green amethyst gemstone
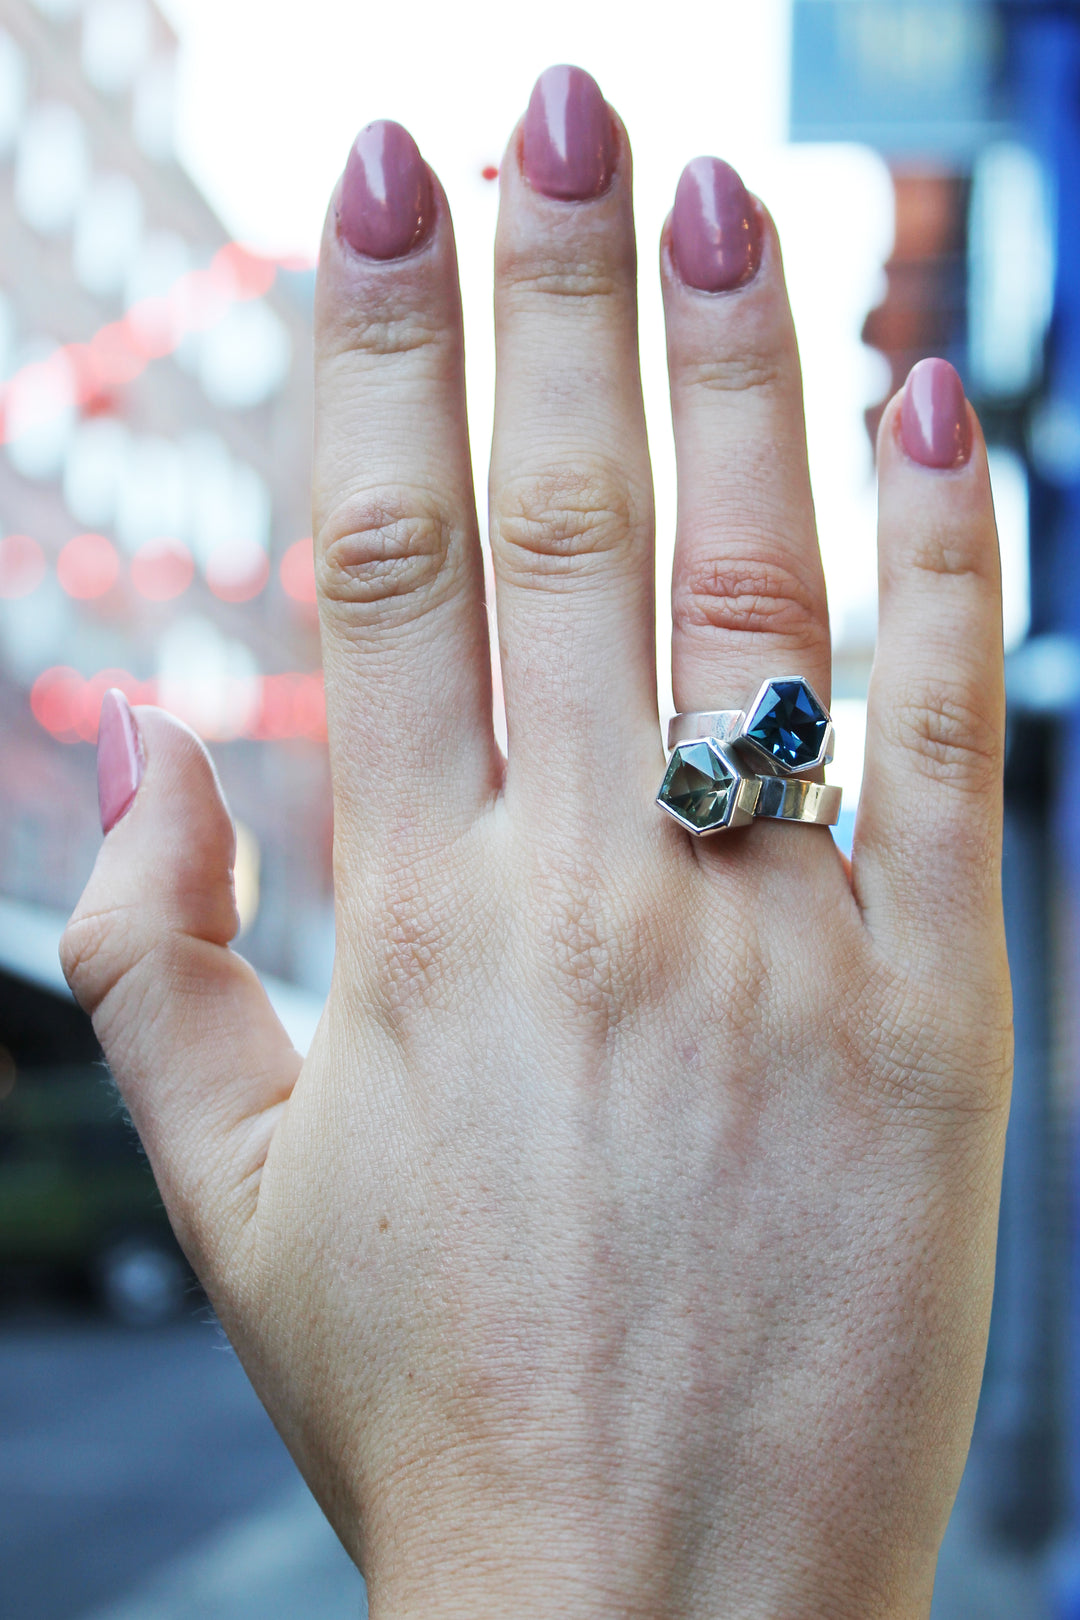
697,788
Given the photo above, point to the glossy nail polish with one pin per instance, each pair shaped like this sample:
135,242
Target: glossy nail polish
568,147
386,199
934,424
715,227
119,758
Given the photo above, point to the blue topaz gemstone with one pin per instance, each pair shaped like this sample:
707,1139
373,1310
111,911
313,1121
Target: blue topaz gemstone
789,724
698,788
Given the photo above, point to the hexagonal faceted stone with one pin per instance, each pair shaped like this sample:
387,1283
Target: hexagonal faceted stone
697,788
789,724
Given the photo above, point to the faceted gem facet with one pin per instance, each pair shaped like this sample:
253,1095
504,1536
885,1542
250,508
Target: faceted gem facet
698,787
789,724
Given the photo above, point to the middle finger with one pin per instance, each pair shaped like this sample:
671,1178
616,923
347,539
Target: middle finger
571,488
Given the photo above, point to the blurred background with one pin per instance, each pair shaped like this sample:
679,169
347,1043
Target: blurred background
164,168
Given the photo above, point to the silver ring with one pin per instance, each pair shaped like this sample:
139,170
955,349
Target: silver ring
811,803
785,731
707,788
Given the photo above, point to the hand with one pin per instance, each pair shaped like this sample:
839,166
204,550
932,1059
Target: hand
624,1245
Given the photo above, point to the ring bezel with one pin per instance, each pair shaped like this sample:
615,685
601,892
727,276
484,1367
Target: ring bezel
742,796
771,765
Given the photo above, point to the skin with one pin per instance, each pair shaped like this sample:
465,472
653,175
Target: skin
624,1246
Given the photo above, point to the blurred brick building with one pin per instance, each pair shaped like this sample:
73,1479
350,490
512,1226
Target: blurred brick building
154,475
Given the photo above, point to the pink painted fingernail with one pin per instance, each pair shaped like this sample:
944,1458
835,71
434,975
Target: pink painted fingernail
934,424
386,199
119,758
715,227
568,149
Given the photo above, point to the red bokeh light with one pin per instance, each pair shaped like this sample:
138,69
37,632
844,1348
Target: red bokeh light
237,571
88,566
56,702
22,566
298,571
291,705
162,569
490,171
68,705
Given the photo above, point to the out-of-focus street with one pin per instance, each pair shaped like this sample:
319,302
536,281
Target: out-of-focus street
140,1479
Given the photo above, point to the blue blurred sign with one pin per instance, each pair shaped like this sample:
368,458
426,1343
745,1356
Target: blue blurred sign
911,78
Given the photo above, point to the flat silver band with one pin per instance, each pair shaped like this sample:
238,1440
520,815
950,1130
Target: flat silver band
723,724
788,799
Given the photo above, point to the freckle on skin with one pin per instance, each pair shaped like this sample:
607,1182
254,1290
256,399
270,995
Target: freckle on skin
383,1223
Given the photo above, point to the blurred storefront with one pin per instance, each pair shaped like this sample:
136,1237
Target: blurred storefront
154,477
975,104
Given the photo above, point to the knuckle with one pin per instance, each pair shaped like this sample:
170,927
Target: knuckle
764,372
947,550
752,597
559,519
383,328
949,736
97,954
384,546
577,282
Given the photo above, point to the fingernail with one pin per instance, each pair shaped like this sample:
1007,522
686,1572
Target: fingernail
119,758
568,149
715,227
934,423
386,201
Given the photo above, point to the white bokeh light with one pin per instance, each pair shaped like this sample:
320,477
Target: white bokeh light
163,257
95,468
208,679
8,328
13,83
116,40
51,167
39,406
245,357
153,111
153,498
108,228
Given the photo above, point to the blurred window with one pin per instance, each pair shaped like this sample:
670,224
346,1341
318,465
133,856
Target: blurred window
7,336
116,42
160,262
208,679
251,506
245,358
153,114
108,229
94,471
58,10
40,410
1008,478
13,76
152,502
52,167
1011,285
208,474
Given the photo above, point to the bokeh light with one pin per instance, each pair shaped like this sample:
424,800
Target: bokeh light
298,572
22,566
88,566
162,570
237,571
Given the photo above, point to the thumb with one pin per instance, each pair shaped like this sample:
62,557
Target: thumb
198,1053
